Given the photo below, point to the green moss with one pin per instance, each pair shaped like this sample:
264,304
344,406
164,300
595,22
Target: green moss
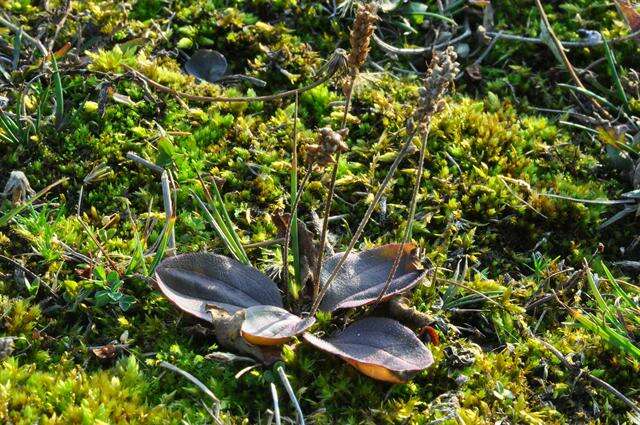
67,394
490,160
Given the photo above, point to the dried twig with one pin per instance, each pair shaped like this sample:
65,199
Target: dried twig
37,43
334,64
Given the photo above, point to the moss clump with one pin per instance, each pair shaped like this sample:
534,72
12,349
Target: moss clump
66,394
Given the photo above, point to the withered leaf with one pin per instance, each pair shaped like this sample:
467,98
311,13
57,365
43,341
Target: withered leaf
195,281
105,352
207,65
378,347
269,325
630,14
227,327
364,274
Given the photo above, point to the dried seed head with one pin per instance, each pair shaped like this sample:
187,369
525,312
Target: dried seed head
337,61
327,143
6,347
18,187
438,79
361,33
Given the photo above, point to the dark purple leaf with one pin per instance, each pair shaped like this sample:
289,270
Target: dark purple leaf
269,325
195,281
378,347
363,276
207,65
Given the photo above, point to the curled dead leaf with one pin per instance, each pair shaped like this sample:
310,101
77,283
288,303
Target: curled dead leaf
104,352
269,325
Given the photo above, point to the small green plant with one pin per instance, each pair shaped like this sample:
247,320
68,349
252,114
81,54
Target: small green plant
616,318
110,292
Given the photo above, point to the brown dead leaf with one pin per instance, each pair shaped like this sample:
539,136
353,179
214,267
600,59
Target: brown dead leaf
474,71
106,352
630,13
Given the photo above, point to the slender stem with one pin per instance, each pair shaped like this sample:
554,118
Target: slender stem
292,394
565,59
412,213
80,195
168,208
329,200
16,29
365,220
276,405
161,88
287,235
294,194
194,381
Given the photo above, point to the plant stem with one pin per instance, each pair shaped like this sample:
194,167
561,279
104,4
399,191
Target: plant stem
292,394
294,194
365,220
329,200
276,405
565,59
26,36
412,213
287,235
161,88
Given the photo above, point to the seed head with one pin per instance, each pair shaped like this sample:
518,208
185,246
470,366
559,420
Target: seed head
328,142
438,79
6,347
18,187
361,33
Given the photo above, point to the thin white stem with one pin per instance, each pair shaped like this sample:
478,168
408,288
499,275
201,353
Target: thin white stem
194,381
292,394
276,405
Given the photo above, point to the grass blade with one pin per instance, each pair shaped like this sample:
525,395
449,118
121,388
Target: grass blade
164,243
295,247
58,91
613,72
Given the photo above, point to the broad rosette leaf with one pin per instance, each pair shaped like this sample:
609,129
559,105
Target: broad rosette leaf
380,348
363,276
269,325
195,281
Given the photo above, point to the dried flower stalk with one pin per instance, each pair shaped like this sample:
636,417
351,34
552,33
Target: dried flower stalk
438,79
360,38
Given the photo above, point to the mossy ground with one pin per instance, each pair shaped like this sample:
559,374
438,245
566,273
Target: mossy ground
490,156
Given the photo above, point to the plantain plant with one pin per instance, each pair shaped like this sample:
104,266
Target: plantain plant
246,308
